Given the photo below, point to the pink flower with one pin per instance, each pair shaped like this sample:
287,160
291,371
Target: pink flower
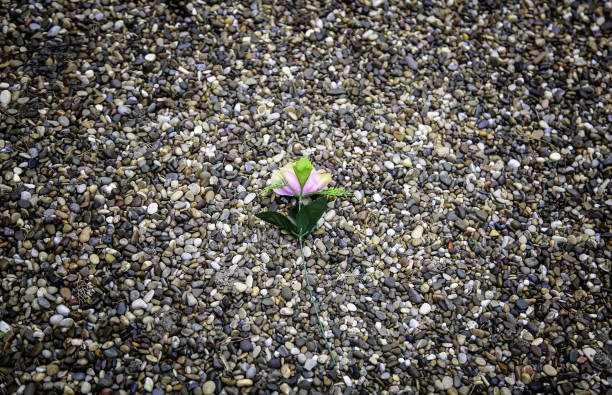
317,179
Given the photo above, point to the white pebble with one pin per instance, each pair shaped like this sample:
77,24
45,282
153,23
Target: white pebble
194,188
417,232
148,384
310,364
147,298
191,300
5,98
150,57
425,309
377,198
513,163
63,310
286,311
249,198
55,319
139,304
152,208
240,287
85,387
53,31
555,156
330,215
66,322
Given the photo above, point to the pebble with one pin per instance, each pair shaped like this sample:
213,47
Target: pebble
240,287
152,208
63,310
417,232
549,370
191,300
64,121
447,383
514,164
250,197
85,235
53,31
209,388
425,309
138,304
148,384
85,387
5,98
310,364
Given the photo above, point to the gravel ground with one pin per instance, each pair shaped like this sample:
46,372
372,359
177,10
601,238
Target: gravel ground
473,256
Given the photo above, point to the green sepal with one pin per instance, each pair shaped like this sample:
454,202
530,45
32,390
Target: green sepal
333,192
271,187
302,170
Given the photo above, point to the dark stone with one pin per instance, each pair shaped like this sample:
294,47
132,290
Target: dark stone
413,371
521,304
246,345
274,363
414,297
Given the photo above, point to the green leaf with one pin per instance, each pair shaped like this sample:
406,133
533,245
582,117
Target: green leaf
271,187
295,219
306,218
292,214
278,219
332,192
302,169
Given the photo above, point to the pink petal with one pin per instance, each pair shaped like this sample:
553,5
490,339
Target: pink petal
284,191
317,181
293,184
286,174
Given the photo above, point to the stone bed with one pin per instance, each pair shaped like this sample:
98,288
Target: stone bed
472,257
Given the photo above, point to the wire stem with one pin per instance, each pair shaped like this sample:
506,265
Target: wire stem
314,303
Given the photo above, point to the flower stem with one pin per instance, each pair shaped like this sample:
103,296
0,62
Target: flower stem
314,301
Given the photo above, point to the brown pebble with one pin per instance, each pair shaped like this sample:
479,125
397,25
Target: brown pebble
66,293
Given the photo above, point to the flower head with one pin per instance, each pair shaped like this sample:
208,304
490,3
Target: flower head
299,178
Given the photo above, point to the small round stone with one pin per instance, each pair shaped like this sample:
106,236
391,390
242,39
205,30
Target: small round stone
209,388
425,309
549,370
